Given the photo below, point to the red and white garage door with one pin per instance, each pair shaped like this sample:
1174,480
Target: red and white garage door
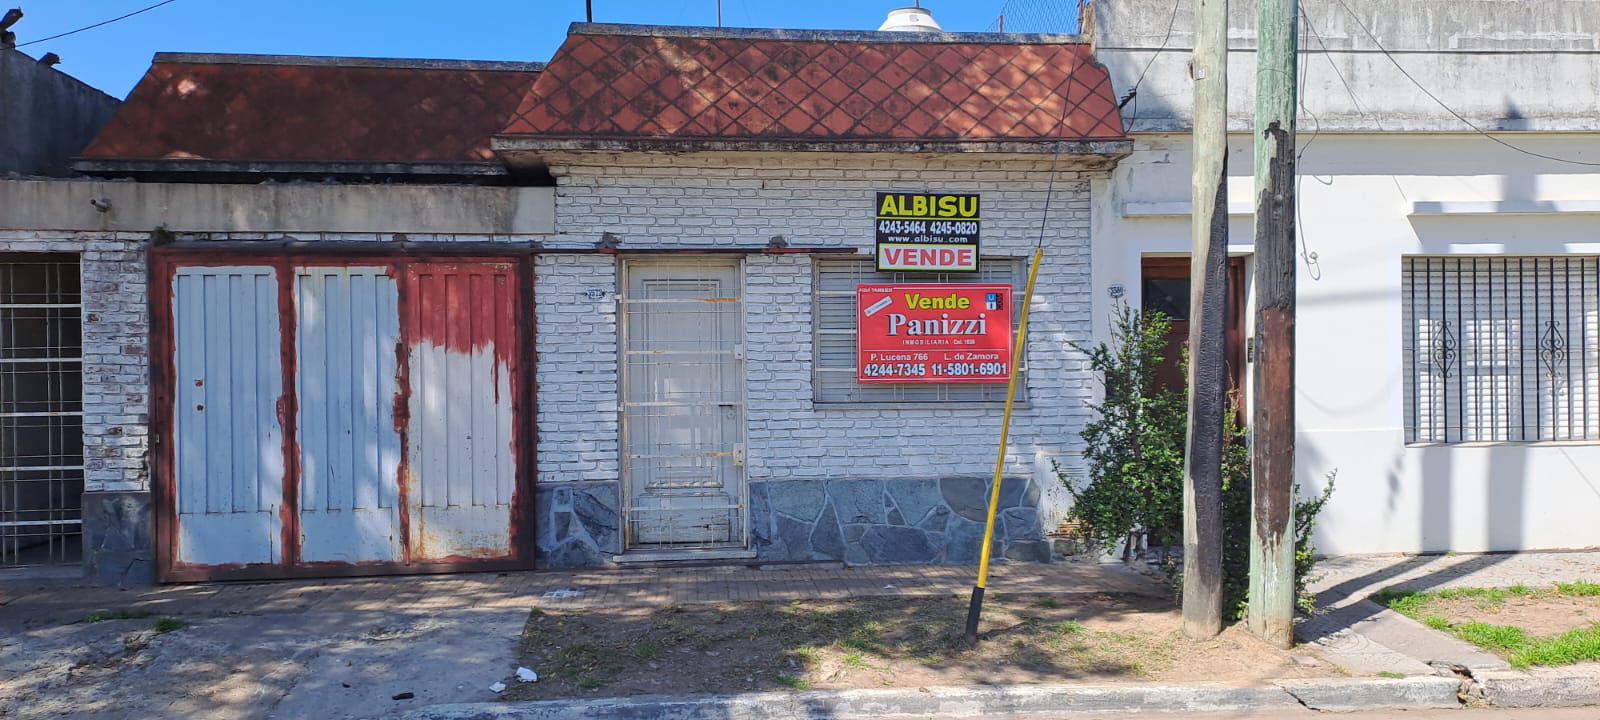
339,417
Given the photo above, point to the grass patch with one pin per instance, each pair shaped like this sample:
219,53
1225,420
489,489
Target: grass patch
1391,675
165,625
105,615
1579,588
1521,649
1047,602
794,682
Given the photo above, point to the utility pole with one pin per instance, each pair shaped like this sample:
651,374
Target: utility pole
1272,504
1208,282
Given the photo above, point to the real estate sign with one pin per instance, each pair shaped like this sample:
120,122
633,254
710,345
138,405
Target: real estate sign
927,232
933,333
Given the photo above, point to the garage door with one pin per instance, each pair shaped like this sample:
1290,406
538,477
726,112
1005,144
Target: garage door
340,417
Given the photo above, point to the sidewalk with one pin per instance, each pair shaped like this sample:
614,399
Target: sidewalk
350,648
55,599
1366,638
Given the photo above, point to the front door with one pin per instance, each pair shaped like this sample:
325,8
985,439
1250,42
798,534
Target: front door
1164,288
683,404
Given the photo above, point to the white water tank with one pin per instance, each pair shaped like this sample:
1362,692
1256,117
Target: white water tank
911,19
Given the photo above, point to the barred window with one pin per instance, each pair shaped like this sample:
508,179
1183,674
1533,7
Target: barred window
834,284
1501,349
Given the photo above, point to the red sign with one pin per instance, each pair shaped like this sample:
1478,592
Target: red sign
933,333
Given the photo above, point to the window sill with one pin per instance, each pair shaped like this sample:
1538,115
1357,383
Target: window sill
932,405
1506,443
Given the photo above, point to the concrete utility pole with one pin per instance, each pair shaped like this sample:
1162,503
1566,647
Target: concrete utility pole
1272,506
1208,294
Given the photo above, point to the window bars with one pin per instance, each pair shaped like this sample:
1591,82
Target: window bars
1501,349
41,410
834,342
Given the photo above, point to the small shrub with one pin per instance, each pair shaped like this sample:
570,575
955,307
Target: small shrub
1134,452
165,625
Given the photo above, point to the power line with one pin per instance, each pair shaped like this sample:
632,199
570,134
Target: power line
1447,108
1133,92
1306,17
98,24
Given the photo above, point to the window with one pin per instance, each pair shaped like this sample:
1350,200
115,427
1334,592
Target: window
1501,349
834,310
41,410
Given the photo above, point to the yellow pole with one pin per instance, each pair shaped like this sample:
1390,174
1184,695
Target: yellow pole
976,607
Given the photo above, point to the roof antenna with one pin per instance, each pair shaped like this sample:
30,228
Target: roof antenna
588,10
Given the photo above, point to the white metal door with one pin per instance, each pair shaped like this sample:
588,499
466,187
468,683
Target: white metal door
229,464
346,331
683,404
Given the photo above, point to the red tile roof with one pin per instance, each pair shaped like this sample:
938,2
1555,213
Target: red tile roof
611,82
267,109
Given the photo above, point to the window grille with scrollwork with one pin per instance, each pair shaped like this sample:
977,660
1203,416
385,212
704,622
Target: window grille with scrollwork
1501,349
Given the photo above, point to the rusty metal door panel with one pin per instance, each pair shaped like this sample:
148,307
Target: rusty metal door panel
460,441
347,332
229,462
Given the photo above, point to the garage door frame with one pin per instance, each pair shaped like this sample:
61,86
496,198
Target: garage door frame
164,263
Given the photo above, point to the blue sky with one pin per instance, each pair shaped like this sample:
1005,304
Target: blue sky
113,57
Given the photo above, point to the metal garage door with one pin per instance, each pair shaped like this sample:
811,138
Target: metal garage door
373,431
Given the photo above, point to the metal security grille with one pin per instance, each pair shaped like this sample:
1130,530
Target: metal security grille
1502,349
41,410
683,405
834,367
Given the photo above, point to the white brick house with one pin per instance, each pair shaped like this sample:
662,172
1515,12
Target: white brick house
604,316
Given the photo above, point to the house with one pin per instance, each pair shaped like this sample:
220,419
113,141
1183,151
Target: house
355,316
1448,288
411,316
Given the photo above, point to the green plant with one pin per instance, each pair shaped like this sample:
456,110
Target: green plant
165,625
1134,452
1134,447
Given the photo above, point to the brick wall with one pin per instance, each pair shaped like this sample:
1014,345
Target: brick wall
654,201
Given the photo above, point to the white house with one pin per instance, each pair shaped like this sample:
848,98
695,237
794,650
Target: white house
1449,285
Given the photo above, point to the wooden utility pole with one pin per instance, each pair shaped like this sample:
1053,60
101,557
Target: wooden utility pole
1272,506
1208,294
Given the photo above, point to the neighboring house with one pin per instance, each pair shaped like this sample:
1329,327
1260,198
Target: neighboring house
1448,335
356,316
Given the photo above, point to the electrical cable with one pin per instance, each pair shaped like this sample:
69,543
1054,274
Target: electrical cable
98,24
1133,93
1447,108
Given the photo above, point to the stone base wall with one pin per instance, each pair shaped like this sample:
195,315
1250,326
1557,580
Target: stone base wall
118,550
577,524
897,521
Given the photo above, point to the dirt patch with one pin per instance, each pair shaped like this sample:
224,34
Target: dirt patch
882,642
1538,615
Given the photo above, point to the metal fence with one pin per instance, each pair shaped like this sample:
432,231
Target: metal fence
1501,349
41,410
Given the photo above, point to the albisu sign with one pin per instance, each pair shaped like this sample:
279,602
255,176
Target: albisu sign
927,232
933,333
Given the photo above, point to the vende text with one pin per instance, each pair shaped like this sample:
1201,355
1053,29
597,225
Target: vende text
927,257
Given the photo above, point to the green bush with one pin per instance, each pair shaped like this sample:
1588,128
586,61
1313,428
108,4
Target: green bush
1134,456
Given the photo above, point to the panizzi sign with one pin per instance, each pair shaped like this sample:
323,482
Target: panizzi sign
931,333
927,232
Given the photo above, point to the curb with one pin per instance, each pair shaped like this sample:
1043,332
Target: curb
1541,688
1349,695
1014,701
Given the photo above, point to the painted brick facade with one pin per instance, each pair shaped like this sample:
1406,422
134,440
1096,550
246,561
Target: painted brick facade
652,201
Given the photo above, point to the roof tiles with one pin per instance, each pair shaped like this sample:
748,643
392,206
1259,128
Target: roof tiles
612,85
316,110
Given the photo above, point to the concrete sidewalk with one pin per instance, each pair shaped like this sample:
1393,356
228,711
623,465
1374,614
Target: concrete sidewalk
61,598
1366,638
375,647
